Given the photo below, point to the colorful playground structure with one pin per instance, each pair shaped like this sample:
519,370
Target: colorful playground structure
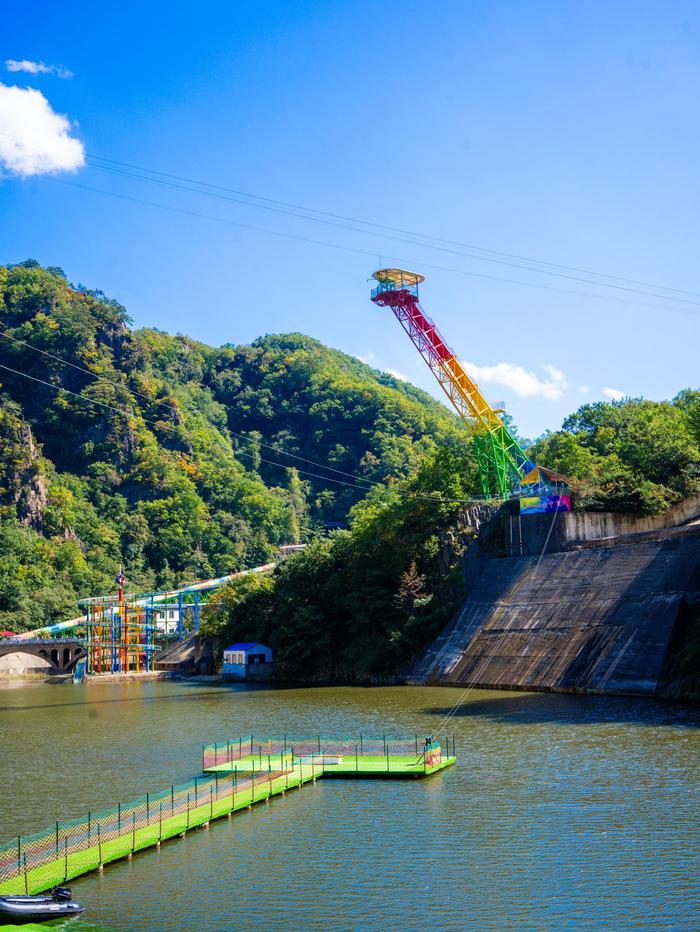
505,469
120,636
237,774
123,633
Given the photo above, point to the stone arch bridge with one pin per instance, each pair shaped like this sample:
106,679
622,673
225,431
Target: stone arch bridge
61,654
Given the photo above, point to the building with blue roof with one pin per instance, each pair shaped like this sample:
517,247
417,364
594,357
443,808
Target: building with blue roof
239,657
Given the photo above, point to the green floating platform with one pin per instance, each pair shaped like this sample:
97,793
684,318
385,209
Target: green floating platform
237,775
314,766
362,756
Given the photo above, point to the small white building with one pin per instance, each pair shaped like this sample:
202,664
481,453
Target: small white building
167,620
239,657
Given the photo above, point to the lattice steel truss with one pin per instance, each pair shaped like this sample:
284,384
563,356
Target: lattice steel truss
502,463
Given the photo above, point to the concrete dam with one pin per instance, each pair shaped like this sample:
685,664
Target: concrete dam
592,603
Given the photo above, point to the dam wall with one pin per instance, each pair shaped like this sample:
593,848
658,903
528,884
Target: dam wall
592,525
557,603
509,534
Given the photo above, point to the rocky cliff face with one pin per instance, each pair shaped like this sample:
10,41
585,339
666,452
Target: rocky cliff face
22,483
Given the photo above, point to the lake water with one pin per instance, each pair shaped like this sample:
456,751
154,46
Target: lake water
563,812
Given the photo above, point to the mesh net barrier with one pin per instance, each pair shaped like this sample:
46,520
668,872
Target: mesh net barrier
255,767
260,748
32,863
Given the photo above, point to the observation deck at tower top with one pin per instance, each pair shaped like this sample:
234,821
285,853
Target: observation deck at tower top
397,280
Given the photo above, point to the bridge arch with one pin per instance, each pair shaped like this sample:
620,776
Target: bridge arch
21,663
60,656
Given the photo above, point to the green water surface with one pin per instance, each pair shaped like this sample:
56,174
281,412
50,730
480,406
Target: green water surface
564,812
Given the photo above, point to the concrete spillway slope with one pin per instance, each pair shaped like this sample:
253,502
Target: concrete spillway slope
192,655
590,617
179,656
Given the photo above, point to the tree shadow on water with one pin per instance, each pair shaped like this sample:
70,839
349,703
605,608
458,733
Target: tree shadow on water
565,709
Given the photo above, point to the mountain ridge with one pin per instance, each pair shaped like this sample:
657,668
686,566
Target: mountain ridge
164,454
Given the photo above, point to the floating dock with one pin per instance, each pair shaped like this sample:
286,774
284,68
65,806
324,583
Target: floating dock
362,756
237,774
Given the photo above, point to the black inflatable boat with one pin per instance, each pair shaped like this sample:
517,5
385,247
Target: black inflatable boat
54,905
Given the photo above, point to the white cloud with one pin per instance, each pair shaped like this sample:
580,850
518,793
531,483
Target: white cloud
613,393
34,140
557,375
37,67
523,383
398,375
584,389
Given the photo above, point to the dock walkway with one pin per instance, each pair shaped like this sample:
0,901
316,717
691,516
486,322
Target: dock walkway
237,775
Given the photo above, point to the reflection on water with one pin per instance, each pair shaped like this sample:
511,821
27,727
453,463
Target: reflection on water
563,812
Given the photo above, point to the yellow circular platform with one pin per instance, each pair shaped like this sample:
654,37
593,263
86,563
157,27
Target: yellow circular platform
398,276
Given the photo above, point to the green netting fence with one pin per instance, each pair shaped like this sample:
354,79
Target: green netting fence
265,750
32,863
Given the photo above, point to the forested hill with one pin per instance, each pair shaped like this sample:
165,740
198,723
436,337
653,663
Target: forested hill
172,457
151,449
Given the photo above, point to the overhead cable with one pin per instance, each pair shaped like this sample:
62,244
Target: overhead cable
412,240
164,426
94,375
248,439
354,224
248,199
371,253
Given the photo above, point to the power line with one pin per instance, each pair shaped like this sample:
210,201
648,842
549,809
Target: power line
251,440
410,241
94,375
94,159
370,253
369,227
162,425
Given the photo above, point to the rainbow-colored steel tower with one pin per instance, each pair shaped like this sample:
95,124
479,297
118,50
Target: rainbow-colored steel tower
504,467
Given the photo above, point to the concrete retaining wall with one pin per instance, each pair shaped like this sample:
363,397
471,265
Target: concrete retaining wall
578,617
592,525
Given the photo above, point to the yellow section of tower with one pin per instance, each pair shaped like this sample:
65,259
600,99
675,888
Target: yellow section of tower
484,414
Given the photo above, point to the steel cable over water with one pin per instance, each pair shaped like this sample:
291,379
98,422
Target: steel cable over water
444,722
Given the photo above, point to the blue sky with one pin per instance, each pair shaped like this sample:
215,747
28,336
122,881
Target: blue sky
562,132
